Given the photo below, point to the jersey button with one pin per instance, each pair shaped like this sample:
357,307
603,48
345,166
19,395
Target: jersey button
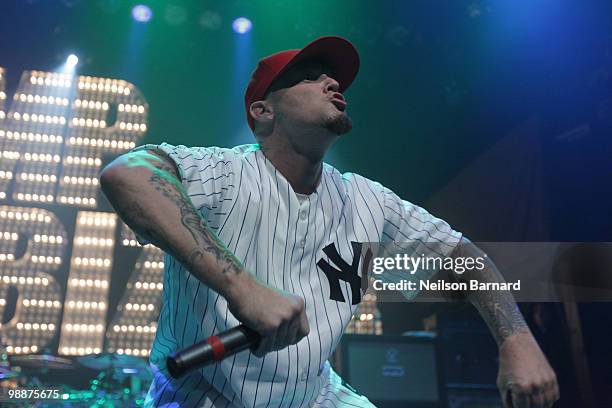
303,215
304,376
302,242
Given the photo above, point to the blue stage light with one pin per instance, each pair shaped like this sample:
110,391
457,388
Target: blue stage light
242,25
72,61
142,13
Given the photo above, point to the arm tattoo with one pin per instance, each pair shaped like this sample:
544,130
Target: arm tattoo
164,179
205,239
497,308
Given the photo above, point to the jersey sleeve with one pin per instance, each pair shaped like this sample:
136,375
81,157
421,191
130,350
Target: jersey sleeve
408,224
411,230
207,174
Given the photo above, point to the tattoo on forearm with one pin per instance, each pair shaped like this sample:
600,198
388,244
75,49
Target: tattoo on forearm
205,240
164,178
497,308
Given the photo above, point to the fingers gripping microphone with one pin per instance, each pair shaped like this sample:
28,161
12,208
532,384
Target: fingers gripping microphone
214,348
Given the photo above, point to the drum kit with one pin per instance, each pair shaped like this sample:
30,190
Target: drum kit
122,380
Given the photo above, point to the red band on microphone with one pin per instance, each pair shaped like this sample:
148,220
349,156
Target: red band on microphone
218,347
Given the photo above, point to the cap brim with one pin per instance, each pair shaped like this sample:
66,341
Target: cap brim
338,53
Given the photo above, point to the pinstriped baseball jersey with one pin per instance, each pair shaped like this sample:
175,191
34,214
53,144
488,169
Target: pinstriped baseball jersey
292,242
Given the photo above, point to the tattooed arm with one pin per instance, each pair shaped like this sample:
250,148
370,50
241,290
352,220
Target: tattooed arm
145,190
525,378
497,308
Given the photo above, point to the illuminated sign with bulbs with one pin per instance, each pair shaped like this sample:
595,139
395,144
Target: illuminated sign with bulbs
54,289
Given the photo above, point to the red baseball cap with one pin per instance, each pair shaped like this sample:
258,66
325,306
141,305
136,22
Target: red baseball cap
337,52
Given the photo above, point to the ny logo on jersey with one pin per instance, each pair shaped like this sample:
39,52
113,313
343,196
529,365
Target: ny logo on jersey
347,273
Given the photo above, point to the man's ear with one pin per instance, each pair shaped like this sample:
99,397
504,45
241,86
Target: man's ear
261,111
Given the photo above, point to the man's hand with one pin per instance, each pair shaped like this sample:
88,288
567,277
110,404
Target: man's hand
525,379
279,317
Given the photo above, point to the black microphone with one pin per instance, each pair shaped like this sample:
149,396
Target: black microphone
214,348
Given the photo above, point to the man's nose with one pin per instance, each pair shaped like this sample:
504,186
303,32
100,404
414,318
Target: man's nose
331,85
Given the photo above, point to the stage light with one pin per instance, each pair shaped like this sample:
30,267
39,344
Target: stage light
91,264
242,25
31,273
33,144
134,328
72,61
142,13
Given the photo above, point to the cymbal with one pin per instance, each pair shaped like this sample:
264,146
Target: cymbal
105,361
5,374
42,361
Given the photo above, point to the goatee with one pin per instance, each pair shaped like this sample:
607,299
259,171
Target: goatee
339,124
